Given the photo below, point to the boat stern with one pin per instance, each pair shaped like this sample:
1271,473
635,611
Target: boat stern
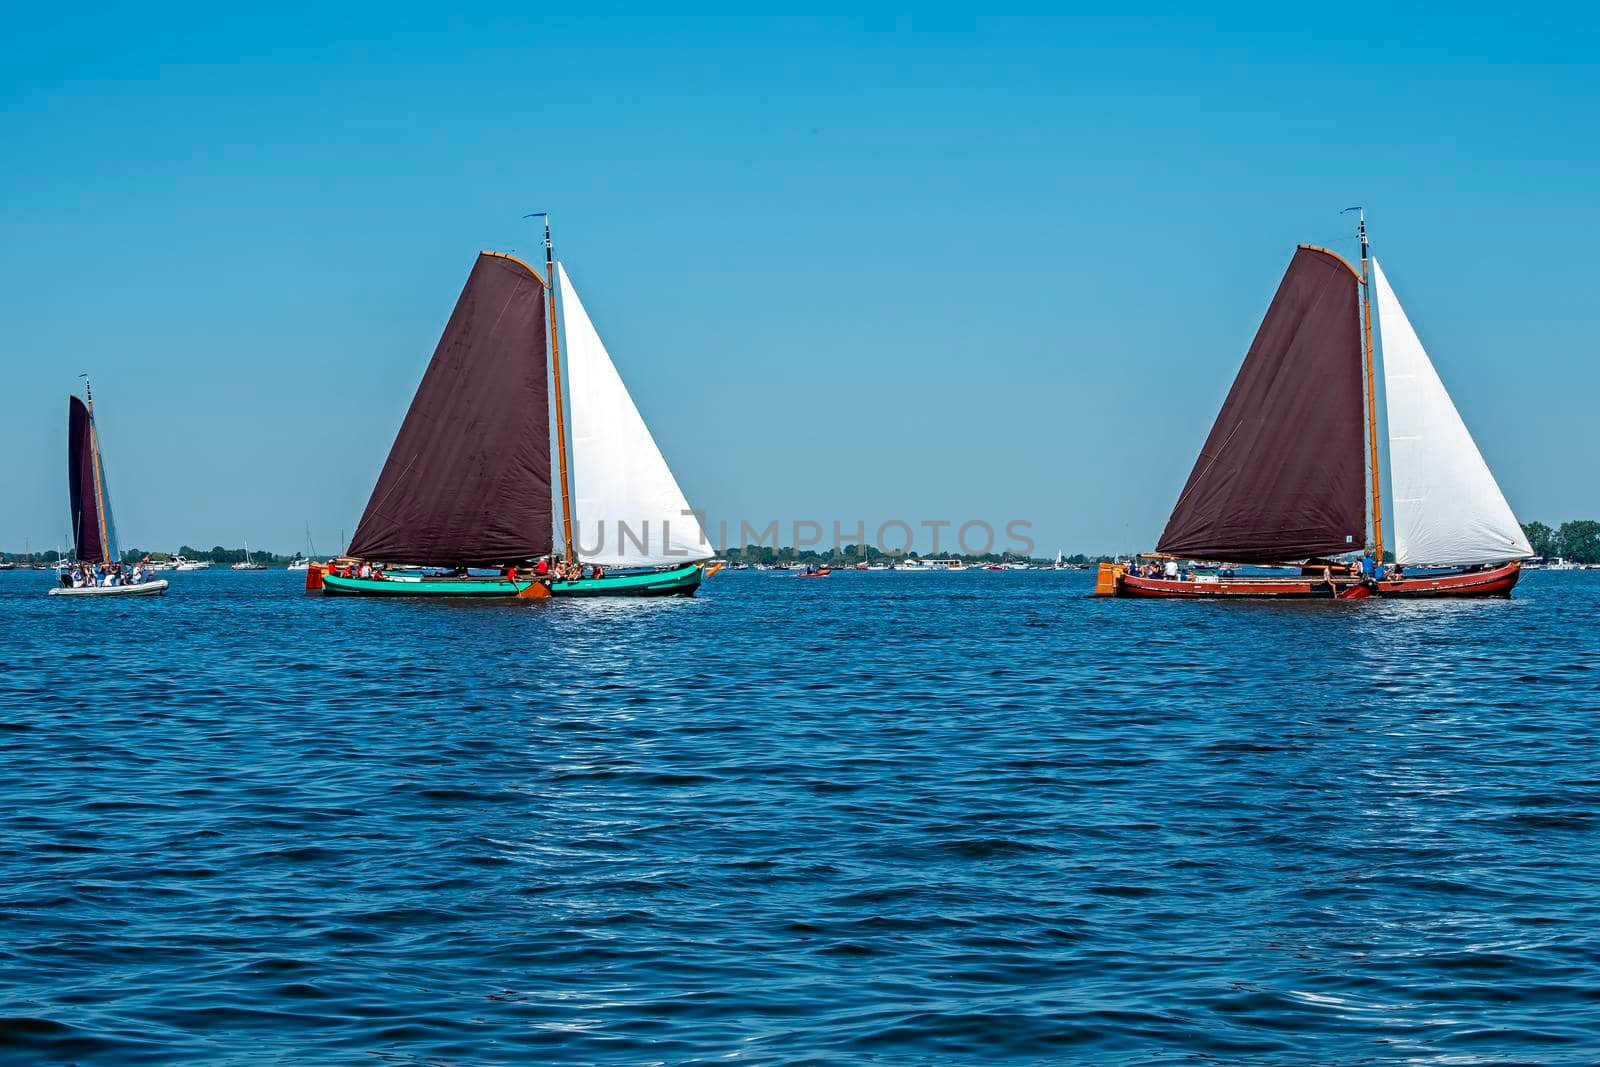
1108,580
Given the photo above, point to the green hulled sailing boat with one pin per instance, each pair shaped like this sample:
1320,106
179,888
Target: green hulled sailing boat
465,504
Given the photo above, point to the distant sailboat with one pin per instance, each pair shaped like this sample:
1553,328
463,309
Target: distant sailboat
94,534
1284,476
302,562
248,564
469,484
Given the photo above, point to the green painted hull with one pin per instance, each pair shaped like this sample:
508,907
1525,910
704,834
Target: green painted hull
682,581
455,588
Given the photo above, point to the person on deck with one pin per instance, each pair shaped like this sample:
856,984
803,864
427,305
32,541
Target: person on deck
365,571
542,568
1169,570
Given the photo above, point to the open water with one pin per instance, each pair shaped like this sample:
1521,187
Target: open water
876,818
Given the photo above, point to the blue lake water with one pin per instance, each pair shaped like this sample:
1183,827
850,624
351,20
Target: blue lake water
876,818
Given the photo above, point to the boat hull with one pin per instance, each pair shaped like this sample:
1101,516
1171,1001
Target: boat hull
680,581
449,588
1493,582
1496,581
155,588
1235,589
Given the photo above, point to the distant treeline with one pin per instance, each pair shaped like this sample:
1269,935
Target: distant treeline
216,554
851,554
1578,540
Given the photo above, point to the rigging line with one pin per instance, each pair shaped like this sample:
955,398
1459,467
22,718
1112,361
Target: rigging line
1202,475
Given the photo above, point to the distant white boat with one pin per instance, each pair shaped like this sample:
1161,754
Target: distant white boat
1556,563
248,564
184,563
303,562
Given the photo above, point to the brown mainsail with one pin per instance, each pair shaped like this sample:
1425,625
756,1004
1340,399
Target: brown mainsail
467,482
1281,477
88,534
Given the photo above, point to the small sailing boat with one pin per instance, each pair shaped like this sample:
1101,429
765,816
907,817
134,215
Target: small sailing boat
464,506
248,564
1283,478
93,532
303,562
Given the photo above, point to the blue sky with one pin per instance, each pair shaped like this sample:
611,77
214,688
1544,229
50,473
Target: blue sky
942,267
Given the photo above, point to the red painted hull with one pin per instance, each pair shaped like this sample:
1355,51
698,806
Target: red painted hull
1235,589
1497,581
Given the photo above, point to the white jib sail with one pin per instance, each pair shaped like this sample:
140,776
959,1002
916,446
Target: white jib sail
1447,507
629,509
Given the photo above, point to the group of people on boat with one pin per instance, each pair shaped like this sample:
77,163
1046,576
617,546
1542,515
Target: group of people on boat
102,575
562,570
1171,570
1367,570
545,569
354,568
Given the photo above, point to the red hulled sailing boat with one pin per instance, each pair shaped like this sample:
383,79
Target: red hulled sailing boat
1284,477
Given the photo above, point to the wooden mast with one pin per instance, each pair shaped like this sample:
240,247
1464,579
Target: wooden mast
1372,392
99,480
555,368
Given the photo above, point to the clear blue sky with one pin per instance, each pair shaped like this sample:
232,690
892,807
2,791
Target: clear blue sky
942,267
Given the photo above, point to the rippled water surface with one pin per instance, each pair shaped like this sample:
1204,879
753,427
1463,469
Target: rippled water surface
877,818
